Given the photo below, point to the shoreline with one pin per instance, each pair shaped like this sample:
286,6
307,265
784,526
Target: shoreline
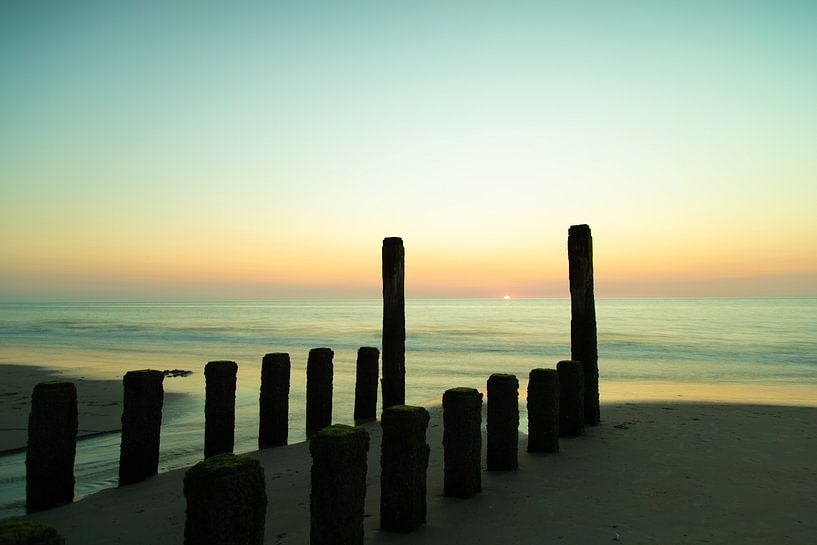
671,472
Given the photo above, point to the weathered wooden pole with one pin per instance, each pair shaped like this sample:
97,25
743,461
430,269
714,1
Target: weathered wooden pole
52,446
404,463
394,323
27,531
543,410
219,407
571,397
462,442
338,490
503,422
319,370
273,404
583,341
367,372
141,425
226,501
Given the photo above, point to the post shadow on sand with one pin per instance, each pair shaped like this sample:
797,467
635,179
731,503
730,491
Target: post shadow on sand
52,446
141,425
394,322
503,422
404,464
338,485
543,410
462,442
583,336
273,403
319,369
219,407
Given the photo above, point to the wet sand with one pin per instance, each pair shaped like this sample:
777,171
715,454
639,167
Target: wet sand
652,472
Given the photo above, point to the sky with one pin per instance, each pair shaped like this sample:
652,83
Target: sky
263,150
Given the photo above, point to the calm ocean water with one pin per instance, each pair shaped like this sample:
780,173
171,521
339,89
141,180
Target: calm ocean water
449,343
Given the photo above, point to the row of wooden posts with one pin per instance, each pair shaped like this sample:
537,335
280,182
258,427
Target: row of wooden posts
53,418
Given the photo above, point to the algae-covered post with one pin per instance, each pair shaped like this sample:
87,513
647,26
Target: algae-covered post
543,410
319,370
26,531
571,397
366,375
226,501
503,422
583,341
462,442
219,407
273,404
52,446
404,463
394,323
141,425
338,490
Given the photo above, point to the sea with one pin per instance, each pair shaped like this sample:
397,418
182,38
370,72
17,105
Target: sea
449,343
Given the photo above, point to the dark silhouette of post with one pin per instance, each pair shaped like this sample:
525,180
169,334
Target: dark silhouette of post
394,323
404,463
319,370
52,446
273,404
219,407
366,374
338,490
503,422
462,442
141,425
27,531
226,501
583,341
571,398
543,410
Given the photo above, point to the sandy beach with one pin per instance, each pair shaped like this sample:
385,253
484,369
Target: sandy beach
652,472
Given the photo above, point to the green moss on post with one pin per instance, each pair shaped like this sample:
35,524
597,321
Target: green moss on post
26,531
503,422
273,422
141,425
462,442
404,464
319,370
571,398
52,446
219,407
226,501
338,490
367,372
543,410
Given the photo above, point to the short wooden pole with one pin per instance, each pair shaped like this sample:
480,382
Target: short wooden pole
273,421
366,375
503,422
319,369
219,407
141,425
571,398
543,410
462,442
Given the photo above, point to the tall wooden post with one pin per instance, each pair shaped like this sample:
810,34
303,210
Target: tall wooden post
583,341
394,323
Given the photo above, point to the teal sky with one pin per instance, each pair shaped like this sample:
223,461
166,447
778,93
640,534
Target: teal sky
263,150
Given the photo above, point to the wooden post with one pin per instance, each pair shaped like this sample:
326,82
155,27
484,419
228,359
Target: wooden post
571,398
394,323
543,410
319,370
367,372
503,422
462,442
583,341
52,446
219,407
226,501
404,463
338,490
273,403
27,531
141,425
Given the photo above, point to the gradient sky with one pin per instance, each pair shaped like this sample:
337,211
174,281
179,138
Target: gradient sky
263,150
